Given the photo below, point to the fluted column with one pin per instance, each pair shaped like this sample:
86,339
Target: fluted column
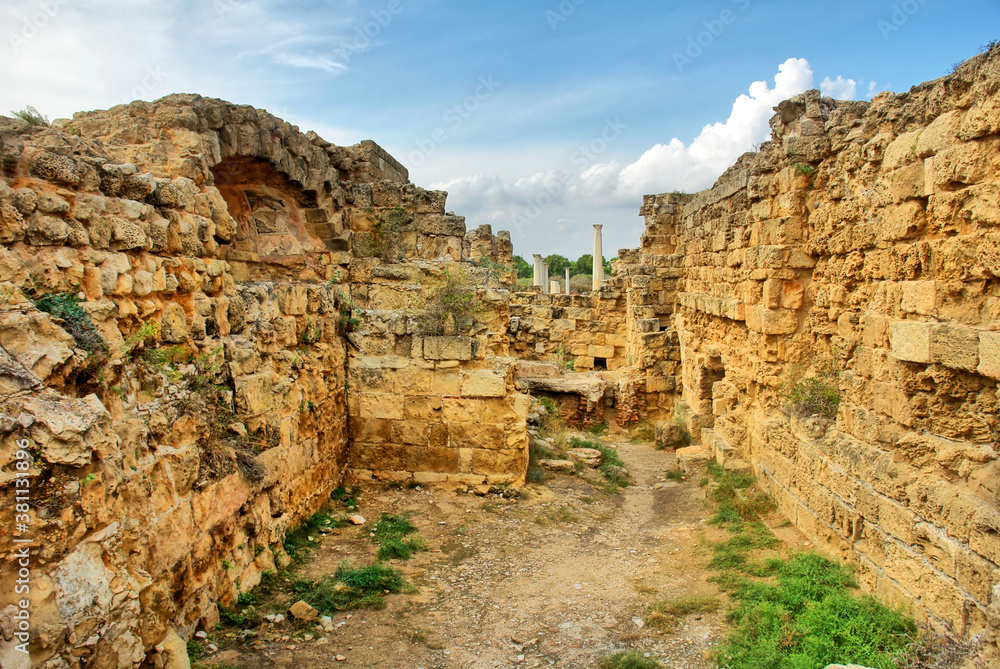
536,279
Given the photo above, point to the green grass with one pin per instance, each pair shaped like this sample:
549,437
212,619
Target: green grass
632,659
351,588
675,475
390,532
597,430
813,396
665,614
296,542
796,612
612,466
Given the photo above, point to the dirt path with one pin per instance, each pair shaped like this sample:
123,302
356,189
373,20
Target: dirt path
557,578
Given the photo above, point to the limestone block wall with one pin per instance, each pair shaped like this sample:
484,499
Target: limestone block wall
570,328
219,255
436,409
861,242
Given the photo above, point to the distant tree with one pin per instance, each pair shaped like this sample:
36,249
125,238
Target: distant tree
607,266
524,270
557,265
584,265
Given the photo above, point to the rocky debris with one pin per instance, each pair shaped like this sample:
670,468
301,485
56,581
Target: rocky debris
356,519
558,465
302,611
692,458
668,435
174,652
591,457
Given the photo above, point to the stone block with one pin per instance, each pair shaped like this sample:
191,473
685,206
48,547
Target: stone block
918,297
422,407
173,324
989,354
411,432
605,352
505,461
771,321
219,501
908,182
255,394
489,436
369,430
444,382
483,383
448,348
381,405
413,381
457,410
911,341
955,346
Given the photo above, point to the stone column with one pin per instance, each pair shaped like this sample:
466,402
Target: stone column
545,277
598,257
536,279
567,280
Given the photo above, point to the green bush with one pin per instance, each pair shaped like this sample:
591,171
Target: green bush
31,115
347,588
451,308
389,533
813,396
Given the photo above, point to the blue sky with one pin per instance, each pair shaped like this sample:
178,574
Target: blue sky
541,117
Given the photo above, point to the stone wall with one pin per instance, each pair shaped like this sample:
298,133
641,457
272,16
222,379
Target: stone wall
229,265
859,245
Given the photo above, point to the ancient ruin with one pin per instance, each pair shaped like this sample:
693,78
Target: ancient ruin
211,319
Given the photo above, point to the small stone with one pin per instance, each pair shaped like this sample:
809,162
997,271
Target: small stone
201,634
278,619
340,658
356,520
301,610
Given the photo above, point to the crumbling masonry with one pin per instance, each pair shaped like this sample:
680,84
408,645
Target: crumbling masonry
209,319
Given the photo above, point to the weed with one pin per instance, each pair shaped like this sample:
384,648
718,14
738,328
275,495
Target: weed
311,333
149,332
66,306
934,651
684,433
803,169
88,479
612,466
665,614
195,649
31,115
549,405
389,533
498,271
349,316
813,396
565,361
675,475
244,618
383,241
561,514
451,308
632,659
227,564
347,588
412,484
598,430
296,542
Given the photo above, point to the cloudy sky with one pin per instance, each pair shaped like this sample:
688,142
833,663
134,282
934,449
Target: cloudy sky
538,116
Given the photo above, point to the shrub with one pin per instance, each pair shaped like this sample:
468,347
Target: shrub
347,588
31,115
451,308
383,241
813,396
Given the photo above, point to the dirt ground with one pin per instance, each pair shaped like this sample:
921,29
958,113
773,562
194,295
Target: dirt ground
557,578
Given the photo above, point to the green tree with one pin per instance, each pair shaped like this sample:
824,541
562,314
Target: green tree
584,264
524,270
557,265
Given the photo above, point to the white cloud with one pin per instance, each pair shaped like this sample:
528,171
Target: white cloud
839,88
662,168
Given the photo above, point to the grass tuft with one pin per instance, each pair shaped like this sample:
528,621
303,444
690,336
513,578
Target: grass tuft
351,588
665,614
632,659
390,532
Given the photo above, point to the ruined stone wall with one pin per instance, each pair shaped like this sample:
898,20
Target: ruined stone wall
228,264
435,409
574,329
861,245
